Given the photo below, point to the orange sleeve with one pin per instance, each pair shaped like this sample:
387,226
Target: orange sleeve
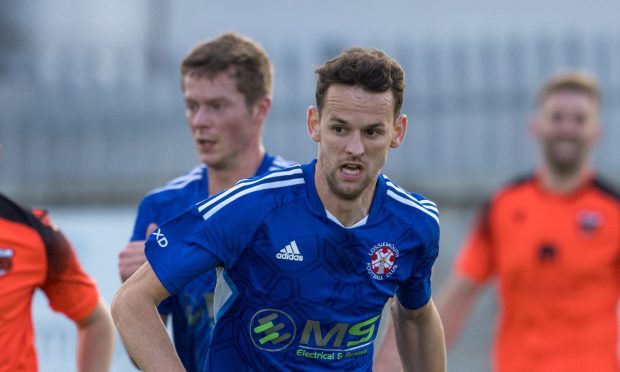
475,259
68,288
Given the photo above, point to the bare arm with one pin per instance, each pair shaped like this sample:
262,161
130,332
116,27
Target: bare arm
134,310
455,302
419,337
95,344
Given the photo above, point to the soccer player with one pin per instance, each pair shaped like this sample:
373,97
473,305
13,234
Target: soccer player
227,87
308,256
34,254
552,242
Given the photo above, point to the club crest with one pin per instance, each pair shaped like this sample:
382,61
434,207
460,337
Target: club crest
382,263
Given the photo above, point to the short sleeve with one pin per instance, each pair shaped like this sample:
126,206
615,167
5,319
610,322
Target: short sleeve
215,232
475,259
416,291
144,217
68,288
177,250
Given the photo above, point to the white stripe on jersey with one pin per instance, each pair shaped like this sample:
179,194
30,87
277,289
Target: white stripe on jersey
176,185
246,182
263,186
412,203
428,205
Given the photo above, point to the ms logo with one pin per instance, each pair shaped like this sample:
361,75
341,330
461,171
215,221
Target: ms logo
272,330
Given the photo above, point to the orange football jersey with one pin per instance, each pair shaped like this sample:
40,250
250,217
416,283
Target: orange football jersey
557,262
34,254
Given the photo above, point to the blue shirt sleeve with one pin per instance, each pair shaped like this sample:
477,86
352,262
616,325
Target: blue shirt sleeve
145,216
416,291
177,250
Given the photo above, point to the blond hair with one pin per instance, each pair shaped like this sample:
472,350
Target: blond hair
572,81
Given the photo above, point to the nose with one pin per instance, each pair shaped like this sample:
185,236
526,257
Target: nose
200,118
355,145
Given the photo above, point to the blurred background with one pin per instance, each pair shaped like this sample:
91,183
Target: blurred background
91,115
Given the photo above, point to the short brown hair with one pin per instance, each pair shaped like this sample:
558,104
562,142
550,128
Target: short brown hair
370,68
244,58
573,81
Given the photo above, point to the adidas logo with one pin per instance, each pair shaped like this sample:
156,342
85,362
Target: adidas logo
290,252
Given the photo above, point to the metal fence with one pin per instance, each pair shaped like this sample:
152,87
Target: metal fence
103,125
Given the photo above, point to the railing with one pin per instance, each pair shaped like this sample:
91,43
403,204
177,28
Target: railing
102,126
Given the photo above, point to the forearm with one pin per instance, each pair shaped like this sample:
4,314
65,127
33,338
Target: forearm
420,339
134,310
454,304
95,344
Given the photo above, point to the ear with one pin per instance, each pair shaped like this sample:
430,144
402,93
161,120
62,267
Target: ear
261,109
534,127
313,123
400,128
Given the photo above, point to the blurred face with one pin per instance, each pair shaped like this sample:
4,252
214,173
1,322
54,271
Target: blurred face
354,131
567,127
222,125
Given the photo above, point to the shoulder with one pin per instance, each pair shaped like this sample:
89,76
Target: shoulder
606,187
11,211
177,187
260,194
278,163
413,208
517,188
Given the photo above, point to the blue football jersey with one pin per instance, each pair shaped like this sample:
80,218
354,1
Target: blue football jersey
296,290
191,308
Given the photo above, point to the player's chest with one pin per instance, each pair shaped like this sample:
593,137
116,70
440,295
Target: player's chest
22,267
578,238
324,259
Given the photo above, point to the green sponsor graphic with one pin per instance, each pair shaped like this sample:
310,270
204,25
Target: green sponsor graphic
269,329
363,330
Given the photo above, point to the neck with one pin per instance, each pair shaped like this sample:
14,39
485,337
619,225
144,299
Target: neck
348,212
245,166
563,183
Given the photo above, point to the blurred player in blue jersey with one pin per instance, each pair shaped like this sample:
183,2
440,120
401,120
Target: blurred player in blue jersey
227,87
308,256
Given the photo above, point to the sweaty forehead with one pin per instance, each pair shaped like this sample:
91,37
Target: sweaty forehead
344,100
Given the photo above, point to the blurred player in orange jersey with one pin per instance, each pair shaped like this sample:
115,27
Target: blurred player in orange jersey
35,254
552,241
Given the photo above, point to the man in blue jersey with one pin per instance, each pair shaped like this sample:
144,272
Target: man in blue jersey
227,85
308,256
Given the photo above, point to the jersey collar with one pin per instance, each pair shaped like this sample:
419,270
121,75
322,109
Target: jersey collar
317,206
265,164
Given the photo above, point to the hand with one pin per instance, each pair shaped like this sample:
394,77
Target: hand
132,256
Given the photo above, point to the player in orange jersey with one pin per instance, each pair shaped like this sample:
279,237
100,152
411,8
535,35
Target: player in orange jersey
552,242
35,254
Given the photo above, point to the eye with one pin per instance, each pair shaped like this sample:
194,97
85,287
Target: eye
371,132
580,119
191,106
338,129
557,117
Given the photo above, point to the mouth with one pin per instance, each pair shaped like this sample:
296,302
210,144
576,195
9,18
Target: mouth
205,144
351,170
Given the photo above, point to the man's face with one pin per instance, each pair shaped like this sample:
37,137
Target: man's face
567,127
222,125
354,131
